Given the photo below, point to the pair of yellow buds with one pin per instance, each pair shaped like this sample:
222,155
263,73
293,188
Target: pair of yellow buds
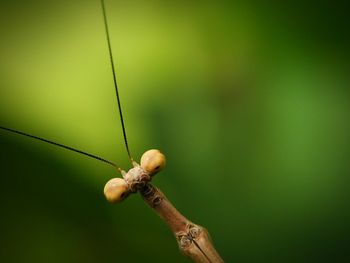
117,189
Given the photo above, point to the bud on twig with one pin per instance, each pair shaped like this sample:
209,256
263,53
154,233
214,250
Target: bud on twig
193,240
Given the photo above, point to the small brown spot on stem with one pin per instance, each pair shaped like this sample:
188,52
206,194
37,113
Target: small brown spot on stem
157,200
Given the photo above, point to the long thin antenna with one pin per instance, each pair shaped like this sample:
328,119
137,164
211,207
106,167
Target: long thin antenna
62,146
115,79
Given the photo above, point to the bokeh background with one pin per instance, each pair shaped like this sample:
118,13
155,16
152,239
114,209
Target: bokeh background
249,102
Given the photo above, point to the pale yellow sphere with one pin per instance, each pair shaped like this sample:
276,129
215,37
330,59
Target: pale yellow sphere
153,161
116,190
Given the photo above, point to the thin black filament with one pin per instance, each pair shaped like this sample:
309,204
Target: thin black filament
61,145
115,79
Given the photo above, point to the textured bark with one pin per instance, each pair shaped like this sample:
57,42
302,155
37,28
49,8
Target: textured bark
193,240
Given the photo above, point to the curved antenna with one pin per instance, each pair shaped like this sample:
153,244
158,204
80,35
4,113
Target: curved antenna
115,80
62,146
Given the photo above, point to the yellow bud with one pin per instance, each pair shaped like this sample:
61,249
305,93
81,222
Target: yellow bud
153,161
116,190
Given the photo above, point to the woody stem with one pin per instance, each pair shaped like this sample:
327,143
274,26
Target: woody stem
193,240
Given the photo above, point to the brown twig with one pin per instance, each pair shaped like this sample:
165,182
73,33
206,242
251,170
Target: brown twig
193,240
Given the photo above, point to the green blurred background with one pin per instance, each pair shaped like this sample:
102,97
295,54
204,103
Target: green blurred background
249,102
